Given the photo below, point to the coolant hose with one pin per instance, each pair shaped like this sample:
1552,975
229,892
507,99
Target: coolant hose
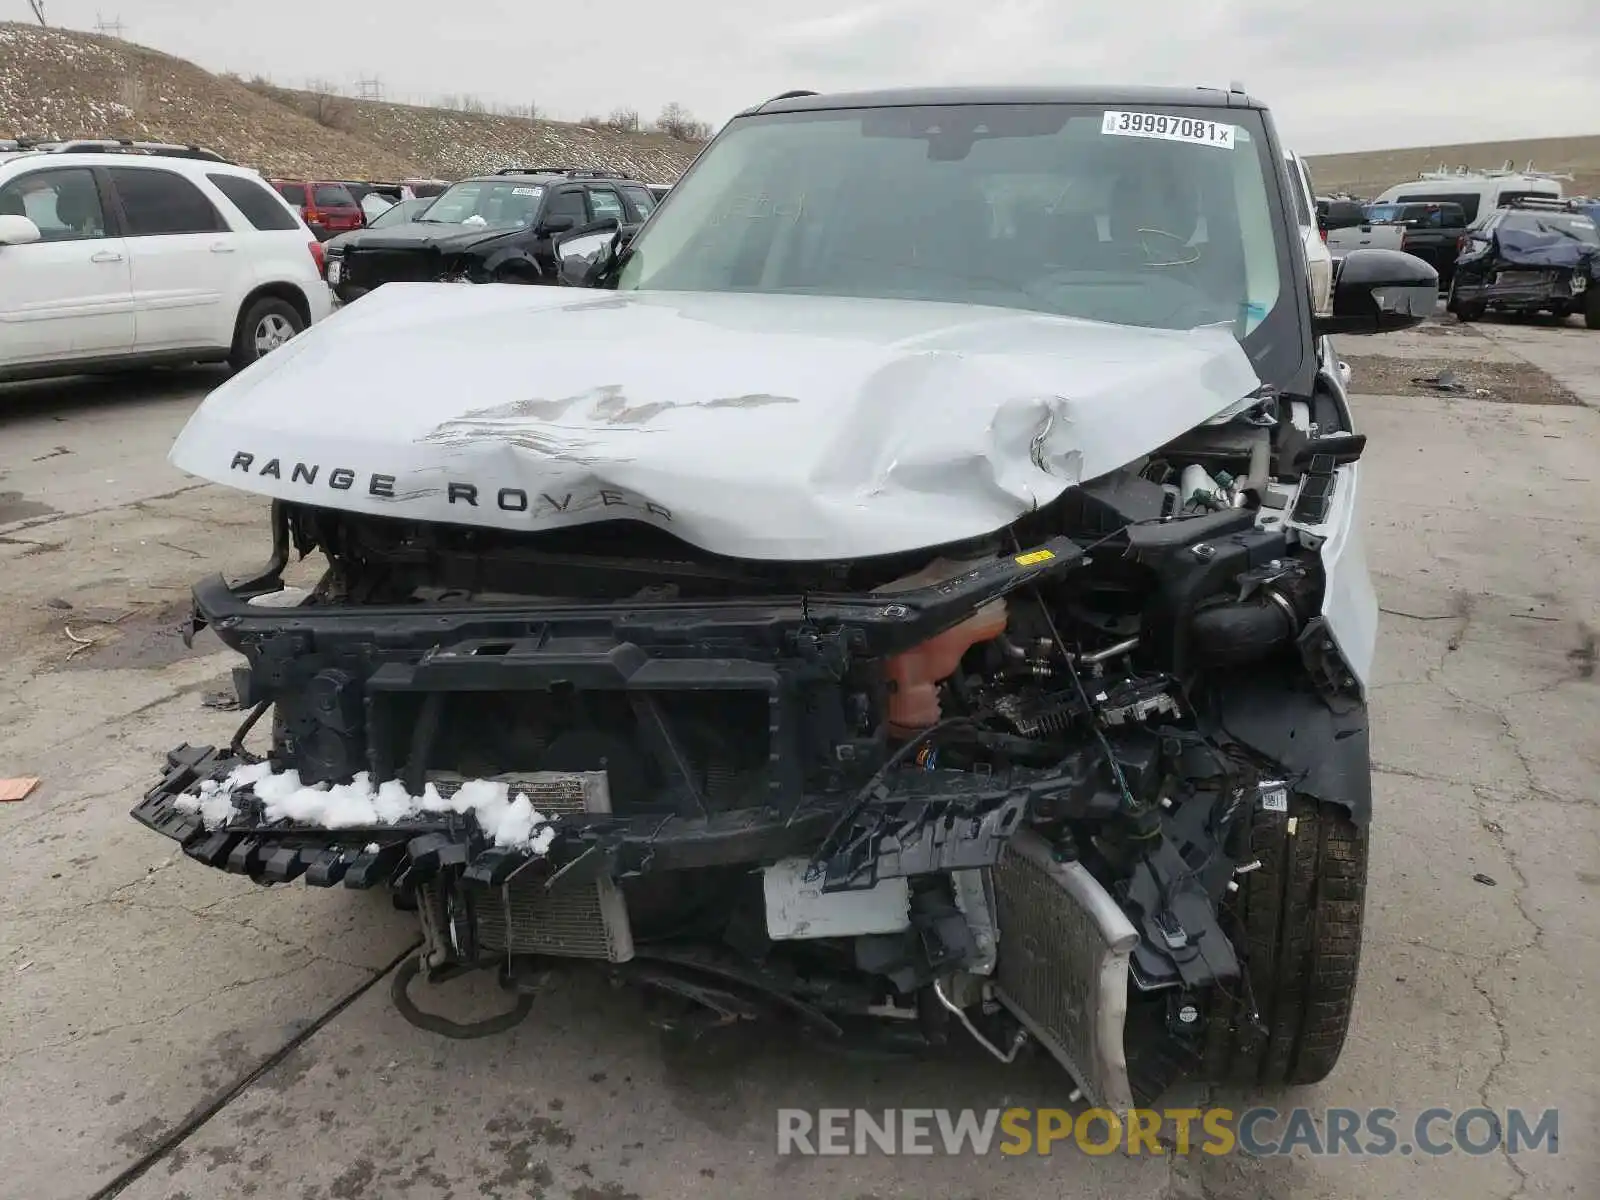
443,1026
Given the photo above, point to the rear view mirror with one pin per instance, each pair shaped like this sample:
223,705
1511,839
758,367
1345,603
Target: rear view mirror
17,231
1380,291
584,256
557,224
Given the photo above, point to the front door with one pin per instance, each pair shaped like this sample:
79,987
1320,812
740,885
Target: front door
68,295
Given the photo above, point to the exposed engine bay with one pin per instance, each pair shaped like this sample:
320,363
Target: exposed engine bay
1019,784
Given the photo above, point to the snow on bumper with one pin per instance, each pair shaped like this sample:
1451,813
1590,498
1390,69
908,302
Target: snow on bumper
236,829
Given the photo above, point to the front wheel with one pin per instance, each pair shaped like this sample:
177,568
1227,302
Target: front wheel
265,326
1296,921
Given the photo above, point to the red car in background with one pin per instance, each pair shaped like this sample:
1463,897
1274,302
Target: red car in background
327,206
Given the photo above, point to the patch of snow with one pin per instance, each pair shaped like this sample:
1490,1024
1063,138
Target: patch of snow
511,822
214,802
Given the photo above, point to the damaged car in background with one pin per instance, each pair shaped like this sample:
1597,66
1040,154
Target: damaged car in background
1534,256
914,586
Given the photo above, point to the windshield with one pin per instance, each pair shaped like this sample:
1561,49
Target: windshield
486,202
1564,225
1148,218
400,214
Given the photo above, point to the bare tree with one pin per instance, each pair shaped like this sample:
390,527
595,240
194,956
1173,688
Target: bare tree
677,121
38,10
327,106
622,120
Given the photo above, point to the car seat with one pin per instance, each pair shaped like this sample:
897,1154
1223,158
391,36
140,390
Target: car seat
78,209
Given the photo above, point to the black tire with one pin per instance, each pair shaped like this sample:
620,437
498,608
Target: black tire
1464,310
1591,308
1296,921
267,314
517,273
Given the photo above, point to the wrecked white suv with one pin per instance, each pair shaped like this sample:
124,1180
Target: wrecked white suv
916,576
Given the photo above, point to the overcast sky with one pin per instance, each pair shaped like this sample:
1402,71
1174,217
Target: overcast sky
1340,76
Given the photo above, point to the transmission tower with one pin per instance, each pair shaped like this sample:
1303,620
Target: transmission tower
112,28
369,89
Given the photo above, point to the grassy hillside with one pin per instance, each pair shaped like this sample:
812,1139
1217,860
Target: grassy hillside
452,144
63,83
1369,172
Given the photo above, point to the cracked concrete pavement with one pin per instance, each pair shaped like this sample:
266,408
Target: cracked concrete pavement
145,997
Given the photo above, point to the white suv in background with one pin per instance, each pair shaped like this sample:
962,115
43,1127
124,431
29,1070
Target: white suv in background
111,260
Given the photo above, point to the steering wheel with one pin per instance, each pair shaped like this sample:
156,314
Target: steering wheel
1169,256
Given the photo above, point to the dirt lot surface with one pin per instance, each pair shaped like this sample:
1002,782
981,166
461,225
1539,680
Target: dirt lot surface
169,1032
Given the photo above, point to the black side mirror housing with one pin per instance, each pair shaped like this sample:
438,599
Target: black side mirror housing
1380,291
557,224
586,254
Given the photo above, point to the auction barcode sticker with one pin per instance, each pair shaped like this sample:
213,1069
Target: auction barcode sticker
1171,129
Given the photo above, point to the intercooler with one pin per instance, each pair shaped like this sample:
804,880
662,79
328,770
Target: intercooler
1063,964
571,920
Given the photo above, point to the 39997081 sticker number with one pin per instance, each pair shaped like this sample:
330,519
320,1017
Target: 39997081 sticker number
1194,130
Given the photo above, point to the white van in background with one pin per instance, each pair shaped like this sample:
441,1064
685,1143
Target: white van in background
1476,191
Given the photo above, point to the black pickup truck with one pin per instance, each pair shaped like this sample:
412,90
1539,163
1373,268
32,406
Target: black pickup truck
1431,230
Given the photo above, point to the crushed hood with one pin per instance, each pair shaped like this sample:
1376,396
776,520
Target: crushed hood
1528,248
754,426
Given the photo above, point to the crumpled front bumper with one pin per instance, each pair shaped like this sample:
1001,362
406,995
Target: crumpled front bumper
1528,288
1072,999
936,825
414,850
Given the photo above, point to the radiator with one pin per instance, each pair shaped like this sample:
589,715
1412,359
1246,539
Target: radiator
580,920
1063,964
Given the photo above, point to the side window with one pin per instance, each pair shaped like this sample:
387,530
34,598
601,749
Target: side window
158,203
567,204
606,203
294,193
643,201
63,203
1297,185
1305,174
260,206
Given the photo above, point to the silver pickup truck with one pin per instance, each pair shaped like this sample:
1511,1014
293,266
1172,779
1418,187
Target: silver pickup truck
1431,230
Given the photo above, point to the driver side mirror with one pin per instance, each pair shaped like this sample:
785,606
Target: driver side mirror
584,256
17,231
557,224
1380,291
